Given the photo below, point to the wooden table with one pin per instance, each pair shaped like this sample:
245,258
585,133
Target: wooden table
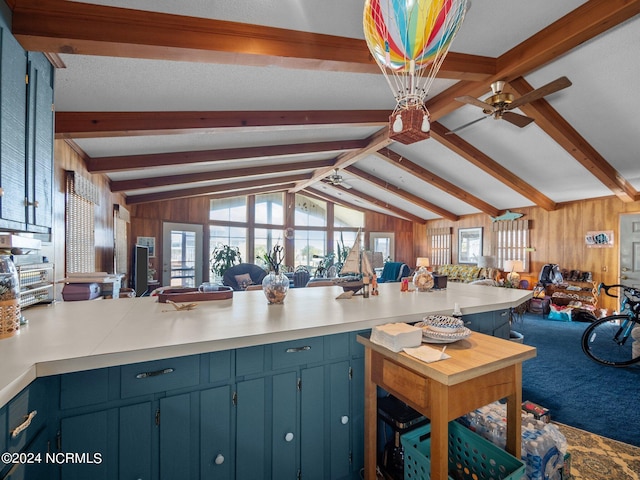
481,370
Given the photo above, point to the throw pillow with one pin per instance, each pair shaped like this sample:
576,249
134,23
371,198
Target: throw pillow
243,281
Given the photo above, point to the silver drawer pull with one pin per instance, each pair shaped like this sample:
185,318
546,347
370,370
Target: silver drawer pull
164,371
24,425
298,349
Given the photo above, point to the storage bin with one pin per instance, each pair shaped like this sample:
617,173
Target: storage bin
470,456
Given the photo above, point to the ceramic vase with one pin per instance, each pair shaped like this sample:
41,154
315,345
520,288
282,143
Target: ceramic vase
275,287
9,298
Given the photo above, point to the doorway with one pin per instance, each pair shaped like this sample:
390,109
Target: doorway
630,250
181,254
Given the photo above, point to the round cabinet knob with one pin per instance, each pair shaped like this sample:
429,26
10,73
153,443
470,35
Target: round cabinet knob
219,459
344,419
288,437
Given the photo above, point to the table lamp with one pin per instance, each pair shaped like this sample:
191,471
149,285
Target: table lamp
513,267
423,262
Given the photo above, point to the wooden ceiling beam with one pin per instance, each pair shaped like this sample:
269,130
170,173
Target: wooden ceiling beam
80,28
554,125
375,142
438,182
131,162
408,196
382,204
485,163
211,189
127,124
577,27
217,175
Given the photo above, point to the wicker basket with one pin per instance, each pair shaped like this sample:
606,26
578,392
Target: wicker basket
9,318
411,126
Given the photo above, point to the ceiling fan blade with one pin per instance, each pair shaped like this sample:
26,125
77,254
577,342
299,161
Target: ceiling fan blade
468,99
517,119
549,88
455,130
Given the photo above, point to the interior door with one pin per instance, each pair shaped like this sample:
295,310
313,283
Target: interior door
630,250
181,254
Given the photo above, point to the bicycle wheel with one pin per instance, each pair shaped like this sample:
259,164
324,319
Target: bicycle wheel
605,342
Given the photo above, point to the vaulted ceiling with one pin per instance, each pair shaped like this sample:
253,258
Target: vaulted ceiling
191,98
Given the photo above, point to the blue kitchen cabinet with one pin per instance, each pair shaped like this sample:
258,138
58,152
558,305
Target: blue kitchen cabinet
496,323
136,425
216,430
251,421
179,443
39,154
26,135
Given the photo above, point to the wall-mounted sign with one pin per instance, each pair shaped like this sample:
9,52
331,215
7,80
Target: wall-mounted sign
599,239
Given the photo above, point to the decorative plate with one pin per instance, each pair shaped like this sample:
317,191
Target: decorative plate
443,323
430,336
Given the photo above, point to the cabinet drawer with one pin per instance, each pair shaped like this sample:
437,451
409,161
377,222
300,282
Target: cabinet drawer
84,388
159,376
26,415
297,352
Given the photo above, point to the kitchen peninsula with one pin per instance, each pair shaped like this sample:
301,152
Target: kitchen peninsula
91,353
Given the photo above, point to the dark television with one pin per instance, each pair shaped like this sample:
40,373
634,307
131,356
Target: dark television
140,270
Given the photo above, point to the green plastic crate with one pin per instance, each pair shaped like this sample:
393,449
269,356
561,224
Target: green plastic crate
471,457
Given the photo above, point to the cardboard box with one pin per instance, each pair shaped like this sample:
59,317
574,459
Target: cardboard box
538,412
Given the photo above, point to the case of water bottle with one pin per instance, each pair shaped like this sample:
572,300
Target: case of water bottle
543,445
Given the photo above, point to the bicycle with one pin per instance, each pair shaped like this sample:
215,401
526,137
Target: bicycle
606,340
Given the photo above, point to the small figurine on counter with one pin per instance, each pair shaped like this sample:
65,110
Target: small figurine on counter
374,285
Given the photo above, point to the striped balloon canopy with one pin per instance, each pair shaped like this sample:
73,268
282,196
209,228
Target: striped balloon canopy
411,37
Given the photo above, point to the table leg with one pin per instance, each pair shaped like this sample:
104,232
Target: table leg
439,395
370,420
514,415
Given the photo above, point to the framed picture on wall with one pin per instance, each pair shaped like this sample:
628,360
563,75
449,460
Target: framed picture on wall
150,243
469,245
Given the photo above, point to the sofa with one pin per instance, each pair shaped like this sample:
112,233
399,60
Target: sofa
465,273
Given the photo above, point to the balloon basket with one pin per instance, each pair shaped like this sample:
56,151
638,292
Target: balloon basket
407,129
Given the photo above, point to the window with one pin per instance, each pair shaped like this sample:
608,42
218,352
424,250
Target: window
511,242
347,217
383,242
440,245
232,236
269,209
232,209
310,212
264,240
307,244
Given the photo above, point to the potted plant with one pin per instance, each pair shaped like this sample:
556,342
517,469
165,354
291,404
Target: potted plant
223,258
276,284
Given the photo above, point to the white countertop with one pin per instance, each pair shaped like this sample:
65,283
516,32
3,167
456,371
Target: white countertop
74,336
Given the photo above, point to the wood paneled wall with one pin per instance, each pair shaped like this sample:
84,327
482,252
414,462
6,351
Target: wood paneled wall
557,237
68,159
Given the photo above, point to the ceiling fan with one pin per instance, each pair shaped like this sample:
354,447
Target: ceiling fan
336,179
500,103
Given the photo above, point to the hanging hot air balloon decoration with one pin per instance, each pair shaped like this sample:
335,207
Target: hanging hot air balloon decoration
409,40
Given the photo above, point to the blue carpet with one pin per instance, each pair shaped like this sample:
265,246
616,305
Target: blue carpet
578,392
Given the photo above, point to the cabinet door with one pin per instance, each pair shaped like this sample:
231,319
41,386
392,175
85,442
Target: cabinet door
135,445
357,414
91,433
216,454
179,436
313,424
39,155
339,419
13,113
39,469
251,440
285,437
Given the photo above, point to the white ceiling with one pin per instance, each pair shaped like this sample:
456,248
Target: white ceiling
601,105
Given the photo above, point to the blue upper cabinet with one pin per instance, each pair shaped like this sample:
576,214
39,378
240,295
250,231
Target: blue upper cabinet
39,155
26,135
